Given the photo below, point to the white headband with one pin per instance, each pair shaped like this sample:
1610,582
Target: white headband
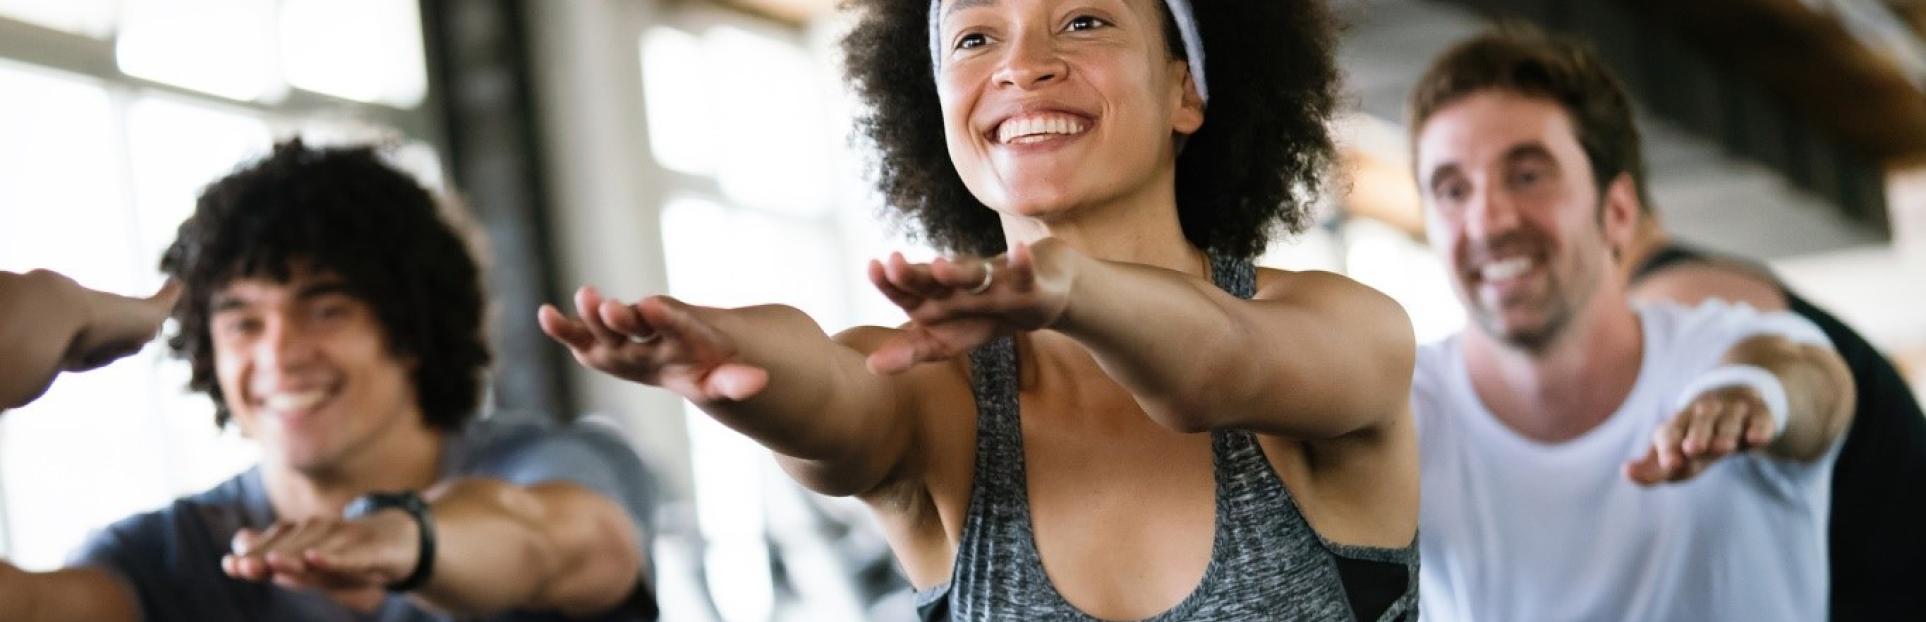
1179,11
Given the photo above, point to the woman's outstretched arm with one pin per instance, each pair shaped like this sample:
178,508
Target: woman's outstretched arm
767,371
1313,356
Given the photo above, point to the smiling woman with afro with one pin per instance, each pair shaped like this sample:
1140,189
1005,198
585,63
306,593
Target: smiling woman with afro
1097,382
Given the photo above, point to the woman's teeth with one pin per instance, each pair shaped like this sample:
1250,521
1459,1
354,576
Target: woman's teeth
1038,128
1506,269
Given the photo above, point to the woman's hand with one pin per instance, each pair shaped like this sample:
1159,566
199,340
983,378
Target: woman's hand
956,305
658,341
117,326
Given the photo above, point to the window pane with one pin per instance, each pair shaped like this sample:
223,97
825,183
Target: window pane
62,203
770,122
223,47
745,107
94,18
364,50
676,101
737,257
176,148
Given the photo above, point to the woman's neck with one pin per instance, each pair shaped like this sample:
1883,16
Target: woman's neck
1140,229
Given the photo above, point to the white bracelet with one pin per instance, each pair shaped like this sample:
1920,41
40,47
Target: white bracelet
1767,385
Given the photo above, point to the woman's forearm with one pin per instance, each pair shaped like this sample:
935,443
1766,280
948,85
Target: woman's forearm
1319,365
822,406
40,314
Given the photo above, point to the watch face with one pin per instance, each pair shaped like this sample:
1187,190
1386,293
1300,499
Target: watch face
373,502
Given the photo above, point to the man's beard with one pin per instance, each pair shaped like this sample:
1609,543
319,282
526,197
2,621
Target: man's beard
1558,306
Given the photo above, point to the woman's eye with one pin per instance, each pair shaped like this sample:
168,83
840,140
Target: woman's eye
1087,22
971,41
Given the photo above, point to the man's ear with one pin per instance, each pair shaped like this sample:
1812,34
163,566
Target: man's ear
1189,116
1619,213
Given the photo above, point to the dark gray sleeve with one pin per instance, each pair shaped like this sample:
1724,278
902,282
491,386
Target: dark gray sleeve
167,563
127,559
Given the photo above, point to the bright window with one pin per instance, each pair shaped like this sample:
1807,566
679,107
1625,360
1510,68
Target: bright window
220,47
94,18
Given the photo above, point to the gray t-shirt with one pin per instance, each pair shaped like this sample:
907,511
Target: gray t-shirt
172,557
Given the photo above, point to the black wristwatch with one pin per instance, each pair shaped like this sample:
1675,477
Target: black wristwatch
412,503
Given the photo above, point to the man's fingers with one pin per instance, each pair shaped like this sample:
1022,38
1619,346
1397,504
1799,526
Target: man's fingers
244,568
1646,470
1728,433
248,542
286,562
1699,430
345,563
1666,440
1760,427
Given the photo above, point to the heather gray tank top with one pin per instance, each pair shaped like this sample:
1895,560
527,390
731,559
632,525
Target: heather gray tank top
1266,563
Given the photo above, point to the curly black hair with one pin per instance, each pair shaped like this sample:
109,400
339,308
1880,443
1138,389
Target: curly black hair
1256,165
346,212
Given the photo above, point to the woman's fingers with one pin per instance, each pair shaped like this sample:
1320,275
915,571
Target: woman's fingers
625,321
586,302
1023,265
965,276
879,276
559,327
913,278
163,301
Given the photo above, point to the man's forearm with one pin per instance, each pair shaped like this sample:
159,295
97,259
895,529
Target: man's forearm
548,547
1820,395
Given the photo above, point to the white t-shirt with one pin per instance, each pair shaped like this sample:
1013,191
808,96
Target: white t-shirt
1515,529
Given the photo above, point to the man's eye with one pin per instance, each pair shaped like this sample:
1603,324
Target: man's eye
240,326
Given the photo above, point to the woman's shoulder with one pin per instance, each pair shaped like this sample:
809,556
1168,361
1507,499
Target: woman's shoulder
1323,289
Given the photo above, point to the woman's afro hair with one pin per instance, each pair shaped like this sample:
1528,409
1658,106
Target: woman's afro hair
1255,167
